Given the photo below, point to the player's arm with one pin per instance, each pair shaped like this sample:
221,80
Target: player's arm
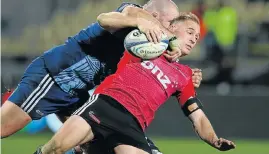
141,13
118,19
192,108
133,17
206,132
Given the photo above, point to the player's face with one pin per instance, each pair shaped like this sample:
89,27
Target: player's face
188,33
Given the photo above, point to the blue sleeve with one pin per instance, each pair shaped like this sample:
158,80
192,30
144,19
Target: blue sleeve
92,31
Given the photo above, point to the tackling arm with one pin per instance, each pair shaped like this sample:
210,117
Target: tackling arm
113,21
144,21
129,17
141,13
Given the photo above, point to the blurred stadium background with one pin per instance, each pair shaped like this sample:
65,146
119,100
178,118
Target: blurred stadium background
233,54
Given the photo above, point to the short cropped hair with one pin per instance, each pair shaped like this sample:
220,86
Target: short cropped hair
183,16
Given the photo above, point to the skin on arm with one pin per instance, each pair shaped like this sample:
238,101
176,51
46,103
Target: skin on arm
203,127
192,108
113,21
141,13
206,132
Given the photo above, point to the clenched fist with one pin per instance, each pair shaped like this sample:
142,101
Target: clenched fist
196,77
224,145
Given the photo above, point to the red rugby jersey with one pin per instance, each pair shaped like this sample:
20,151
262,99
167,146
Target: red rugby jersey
142,87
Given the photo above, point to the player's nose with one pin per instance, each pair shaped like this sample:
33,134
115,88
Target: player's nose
192,40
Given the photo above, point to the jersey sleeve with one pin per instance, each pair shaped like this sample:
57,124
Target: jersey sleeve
91,32
187,93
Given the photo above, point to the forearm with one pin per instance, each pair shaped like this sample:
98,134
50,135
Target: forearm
115,20
140,13
130,17
204,129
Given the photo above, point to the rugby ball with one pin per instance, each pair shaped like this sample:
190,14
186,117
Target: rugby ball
138,45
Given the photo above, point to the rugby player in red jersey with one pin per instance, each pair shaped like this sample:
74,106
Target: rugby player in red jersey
125,103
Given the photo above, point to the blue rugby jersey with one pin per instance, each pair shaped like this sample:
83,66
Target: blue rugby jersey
86,58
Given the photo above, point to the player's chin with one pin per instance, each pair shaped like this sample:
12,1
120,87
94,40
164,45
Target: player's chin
185,52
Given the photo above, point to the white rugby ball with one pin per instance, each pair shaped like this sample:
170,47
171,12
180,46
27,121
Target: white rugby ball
138,45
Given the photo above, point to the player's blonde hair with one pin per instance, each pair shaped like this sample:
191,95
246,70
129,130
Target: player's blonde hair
183,16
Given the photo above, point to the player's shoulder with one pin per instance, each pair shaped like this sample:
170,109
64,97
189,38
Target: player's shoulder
185,69
125,4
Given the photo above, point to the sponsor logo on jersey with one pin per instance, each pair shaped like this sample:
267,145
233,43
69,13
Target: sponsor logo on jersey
163,79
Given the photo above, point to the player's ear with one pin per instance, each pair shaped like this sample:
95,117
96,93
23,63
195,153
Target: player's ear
172,28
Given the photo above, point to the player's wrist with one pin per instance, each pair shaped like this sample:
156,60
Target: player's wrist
215,143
